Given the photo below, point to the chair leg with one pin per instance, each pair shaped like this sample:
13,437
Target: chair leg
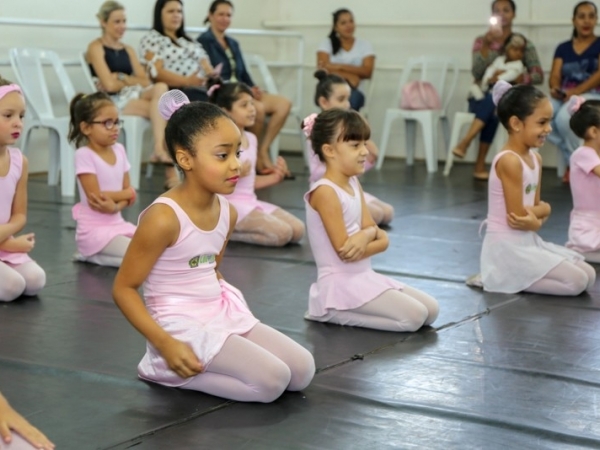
460,119
411,138
385,136
561,166
134,137
54,156
445,130
25,141
67,168
430,137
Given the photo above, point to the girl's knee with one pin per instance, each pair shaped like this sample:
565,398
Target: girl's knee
35,281
388,214
12,287
376,213
275,381
280,233
302,371
415,317
298,230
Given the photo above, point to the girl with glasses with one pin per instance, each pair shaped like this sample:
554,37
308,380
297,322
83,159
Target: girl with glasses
102,170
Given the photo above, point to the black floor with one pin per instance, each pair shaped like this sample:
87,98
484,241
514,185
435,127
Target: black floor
497,371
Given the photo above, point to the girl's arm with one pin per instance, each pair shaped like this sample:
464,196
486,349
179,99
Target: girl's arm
158,229
139,75
596,171
510,172
541,209
556,78
18,213
232,221
127,194
364,71
100,201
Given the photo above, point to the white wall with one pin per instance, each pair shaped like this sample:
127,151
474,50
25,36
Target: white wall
398,29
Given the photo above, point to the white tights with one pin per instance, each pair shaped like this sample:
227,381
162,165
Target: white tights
111,255
271,230
566,279
381,212
406,310
24,279
256,367
593,257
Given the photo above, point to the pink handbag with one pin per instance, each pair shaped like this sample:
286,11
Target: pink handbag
420,95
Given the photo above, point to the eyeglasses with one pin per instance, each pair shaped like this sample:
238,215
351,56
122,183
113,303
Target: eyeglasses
109,124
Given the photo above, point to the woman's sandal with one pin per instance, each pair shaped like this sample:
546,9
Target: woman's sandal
163,160
481,176
457,153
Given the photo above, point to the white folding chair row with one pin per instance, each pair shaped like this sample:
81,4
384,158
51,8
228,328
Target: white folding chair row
134,128
435,70
27,65
258,62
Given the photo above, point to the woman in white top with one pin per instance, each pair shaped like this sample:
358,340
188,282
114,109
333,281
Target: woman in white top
351,58
172,56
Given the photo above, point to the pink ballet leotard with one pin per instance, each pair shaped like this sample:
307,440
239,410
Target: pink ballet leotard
185,297
317,170
8,188
95,229
584,228
244,197
341,285
512,260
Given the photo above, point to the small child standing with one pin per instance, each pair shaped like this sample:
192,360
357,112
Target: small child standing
584,229
19,274
102,171
513,257
259,222
507,67
200,332
333,91
343,236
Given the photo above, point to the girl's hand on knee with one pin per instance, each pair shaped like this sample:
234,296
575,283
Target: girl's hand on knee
12,420
181,359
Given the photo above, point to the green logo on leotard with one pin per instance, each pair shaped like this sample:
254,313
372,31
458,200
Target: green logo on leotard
201,259
530,187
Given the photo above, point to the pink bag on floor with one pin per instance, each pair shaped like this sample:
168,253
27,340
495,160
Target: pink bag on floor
420,95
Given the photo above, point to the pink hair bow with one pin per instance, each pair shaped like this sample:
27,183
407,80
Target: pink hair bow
500,88
308,123
575,103
170,102
212,89
10,88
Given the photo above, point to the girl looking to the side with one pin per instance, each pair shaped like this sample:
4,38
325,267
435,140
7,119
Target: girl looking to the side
258,222
19,274
102,171
334,92
200,332
513,257
343,236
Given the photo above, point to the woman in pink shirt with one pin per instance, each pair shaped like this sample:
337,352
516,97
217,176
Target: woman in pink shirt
584,229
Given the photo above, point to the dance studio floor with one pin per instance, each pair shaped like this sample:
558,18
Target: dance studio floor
495,371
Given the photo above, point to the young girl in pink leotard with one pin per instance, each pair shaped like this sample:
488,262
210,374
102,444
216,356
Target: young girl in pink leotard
200,332
333,91
513,257
258,222
584,228
19,274
343,236
102,170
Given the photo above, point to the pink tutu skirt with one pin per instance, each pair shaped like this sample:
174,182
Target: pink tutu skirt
14,259
584,231
204,325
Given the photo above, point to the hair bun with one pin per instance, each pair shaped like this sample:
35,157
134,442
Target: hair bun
170,102
320,74
500,88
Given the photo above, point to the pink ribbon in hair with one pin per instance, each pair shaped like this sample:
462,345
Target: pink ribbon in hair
308,123
170,102
575,103
10,88
500,88
212,89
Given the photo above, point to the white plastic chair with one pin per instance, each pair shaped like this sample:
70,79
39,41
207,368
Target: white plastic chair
436,70
27,64
258,62
134,128
369,88
462,119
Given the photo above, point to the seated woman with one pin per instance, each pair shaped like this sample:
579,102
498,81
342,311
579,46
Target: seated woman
351,58
226,51
118,72
485,51
575,71
172,56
